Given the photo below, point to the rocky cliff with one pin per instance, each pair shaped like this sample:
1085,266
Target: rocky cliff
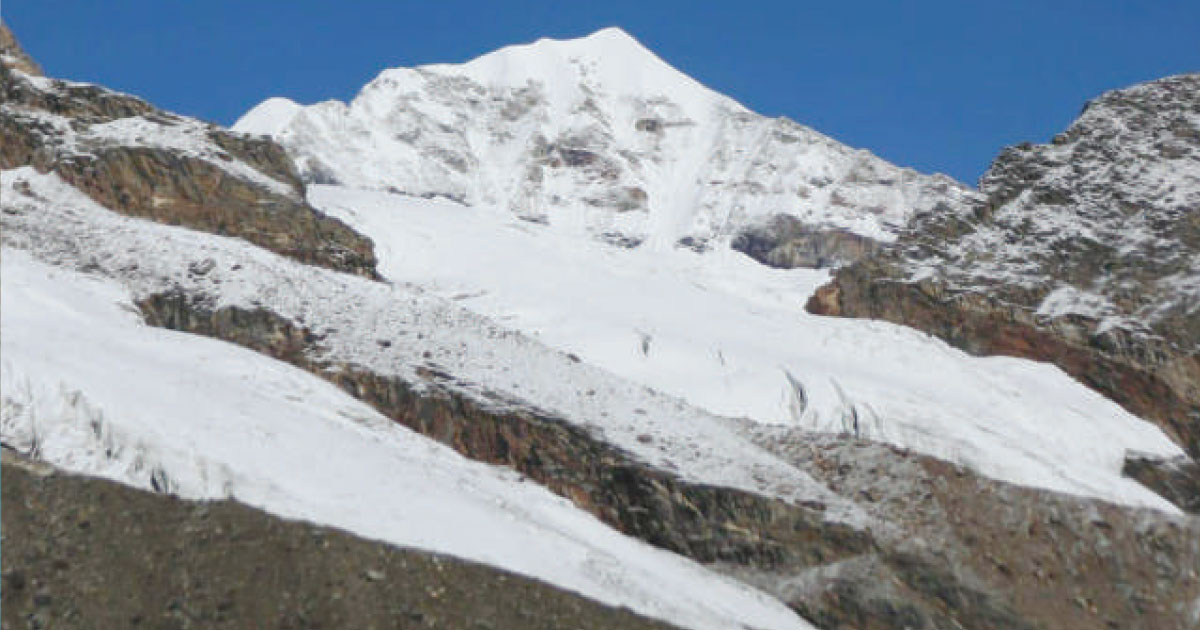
1085,253
136,159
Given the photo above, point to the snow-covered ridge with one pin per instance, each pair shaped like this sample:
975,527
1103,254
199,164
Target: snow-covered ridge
594,135
270,116
609,59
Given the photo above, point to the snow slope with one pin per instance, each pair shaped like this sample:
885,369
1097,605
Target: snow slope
594,135
88,387
494,364
730,336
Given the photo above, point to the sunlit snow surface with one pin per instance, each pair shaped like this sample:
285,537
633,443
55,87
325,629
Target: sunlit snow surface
89,387
731,336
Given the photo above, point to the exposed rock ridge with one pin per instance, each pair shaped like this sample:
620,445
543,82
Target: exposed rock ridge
1177,478
786,242
138,160
1086,253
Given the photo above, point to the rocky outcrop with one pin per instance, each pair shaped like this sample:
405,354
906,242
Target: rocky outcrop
88,553
1177,479
1055,561
1086,253
137,160
786,242
12,55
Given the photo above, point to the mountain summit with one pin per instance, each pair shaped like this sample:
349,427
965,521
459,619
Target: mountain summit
596,135
608,60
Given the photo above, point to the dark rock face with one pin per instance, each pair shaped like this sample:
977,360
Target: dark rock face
140,161
918,594
786,242
1084,254
88,553
1176,479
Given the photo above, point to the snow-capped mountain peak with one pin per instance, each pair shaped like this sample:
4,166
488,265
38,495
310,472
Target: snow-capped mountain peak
270,116
608,61
595,135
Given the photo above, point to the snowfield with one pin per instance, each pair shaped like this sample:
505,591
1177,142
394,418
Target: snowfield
731,336
492,363
721,335
90,388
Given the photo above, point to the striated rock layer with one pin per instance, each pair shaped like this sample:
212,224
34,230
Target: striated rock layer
1086,254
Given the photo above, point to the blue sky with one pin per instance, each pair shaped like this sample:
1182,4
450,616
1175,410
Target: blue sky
939,86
